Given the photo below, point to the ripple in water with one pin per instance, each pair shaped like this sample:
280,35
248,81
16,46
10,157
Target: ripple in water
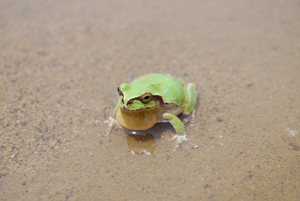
292,133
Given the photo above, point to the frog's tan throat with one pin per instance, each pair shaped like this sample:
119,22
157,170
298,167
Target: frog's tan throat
145,118
138,119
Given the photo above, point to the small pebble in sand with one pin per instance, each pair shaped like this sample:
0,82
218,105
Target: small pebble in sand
292,133
219,119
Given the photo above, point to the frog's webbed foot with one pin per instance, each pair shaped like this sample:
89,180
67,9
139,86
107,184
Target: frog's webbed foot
182,138
193,118
179,140
178,125
189,118
111,122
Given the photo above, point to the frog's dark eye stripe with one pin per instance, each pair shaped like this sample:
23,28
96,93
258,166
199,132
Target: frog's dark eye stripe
119,91
146,97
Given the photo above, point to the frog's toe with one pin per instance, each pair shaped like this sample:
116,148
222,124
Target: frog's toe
110,123
180,139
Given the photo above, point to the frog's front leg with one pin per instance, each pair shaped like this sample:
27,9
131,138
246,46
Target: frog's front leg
112,121
175,121
179,128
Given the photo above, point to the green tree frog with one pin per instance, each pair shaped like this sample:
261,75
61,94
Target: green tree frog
151,99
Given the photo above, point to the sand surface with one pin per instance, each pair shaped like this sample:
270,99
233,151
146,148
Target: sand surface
62,61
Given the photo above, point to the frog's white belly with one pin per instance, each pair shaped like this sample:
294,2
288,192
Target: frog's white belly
168,108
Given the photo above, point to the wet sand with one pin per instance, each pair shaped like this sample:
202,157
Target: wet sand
62,61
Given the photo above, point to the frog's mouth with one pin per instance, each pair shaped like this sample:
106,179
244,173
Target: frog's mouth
135,104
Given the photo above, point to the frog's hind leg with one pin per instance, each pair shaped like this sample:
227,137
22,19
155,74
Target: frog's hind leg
191,95
189,109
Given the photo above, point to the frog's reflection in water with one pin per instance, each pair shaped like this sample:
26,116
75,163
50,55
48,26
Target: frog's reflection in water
144,142
138,144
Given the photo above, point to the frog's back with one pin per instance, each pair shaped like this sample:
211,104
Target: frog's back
171,89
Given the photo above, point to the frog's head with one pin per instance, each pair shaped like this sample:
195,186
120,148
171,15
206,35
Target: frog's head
134,98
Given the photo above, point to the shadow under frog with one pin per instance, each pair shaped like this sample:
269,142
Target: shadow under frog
144,142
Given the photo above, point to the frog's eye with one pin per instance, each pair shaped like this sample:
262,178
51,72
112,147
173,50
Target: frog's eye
119,91
146,97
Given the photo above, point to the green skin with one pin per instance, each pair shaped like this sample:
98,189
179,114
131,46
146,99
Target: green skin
171,90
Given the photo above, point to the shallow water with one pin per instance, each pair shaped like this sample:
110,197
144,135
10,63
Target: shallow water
61,64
